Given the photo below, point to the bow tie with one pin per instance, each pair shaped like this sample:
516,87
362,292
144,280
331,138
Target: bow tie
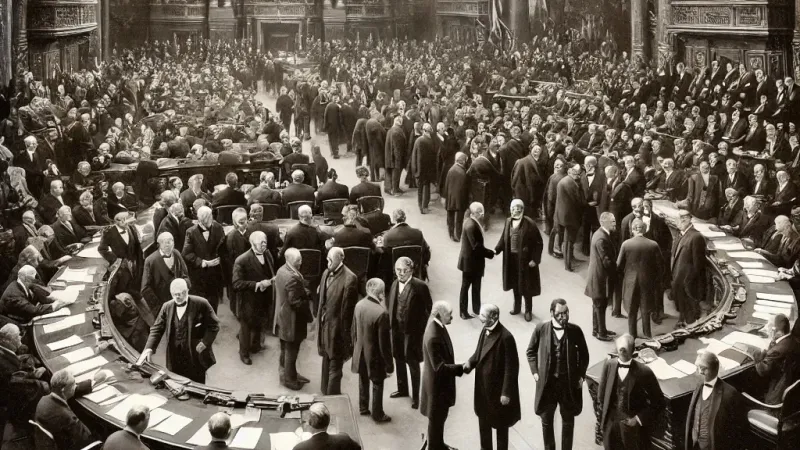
708,385
557,328
122,232
204,229
166,257
624,366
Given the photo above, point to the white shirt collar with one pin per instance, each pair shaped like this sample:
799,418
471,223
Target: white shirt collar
712,382
781,338
491,328
439,322
606,230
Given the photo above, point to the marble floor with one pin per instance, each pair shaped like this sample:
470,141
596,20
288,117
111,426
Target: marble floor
405,430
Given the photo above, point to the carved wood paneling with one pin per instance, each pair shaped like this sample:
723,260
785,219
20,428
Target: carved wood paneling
43,17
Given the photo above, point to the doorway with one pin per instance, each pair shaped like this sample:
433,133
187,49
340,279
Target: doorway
277,37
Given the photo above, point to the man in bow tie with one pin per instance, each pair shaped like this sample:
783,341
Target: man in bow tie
629,398
496,365
201,253
160,269
122,242
558,357
716,416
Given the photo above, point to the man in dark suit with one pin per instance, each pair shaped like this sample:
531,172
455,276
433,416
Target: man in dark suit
629,398
292,315
438,388
423,166
176,224
472,260
351,235
20,390
617,195
785,197
456,191
376,140
21,303
130,437
122,242
639,258
219,427
84,214
338,295
298,191
402,234
194,192
558,357
527,182
689,272
120,200
264,192
54,414
68,233
50,203
252,279
778,364
160,269
702,199
395,157
734,178
334,125
24,231
305,234
165,200
372,349
359,140
731,212
190,326
496,365
34,161
753,223
229,195
717,414
364,188
570,204
201,254
593,183
601,279
761,185
521,245
409,306
256,222
319,418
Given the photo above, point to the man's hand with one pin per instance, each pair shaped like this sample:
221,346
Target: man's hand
145,356
592,203
211,263
200,347
39,372
101,376
631,422
536,377
504,400
63,259
532,264
580,381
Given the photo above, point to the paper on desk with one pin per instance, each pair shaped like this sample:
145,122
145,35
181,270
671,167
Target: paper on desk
750,264
715,346
63,312
103,394
152,401
773,304
767,317
785,309
713,234
685,367
87,376
783,298
746,255
201,436
97,237
116,399
69,294
173,424
704,227
76,276
70,321
729,246
64,343
726,363
85,366
760,279
664,371
90,251
283,441
250,415
761,273
79,354
157,416
745,338
247,437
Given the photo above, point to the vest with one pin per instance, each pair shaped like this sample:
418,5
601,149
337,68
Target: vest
559,352
180,331
702,412
514,236
401,312
622,390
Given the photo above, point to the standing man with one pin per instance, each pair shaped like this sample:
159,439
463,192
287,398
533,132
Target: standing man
333,125
423,166
372,349
253,276
558,357
717,413
122,242
456,192
629,398
639,258
602,276
496,365
521,245
689,271
570,204
593,183
527,182
160,269
191,326
292,314
395,157
438,374
338,295
201,254
409,307
472,260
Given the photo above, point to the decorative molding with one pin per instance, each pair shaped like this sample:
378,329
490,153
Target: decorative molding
47,18
752,16
470,8
178,10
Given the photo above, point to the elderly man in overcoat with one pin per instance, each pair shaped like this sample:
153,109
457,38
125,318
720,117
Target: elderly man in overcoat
521,245
122,242
359,139
201,254
456,192
570,204
293,313
338,295
376,142
689,271
423,166
639,258
160,268
601,278
527,183
395,157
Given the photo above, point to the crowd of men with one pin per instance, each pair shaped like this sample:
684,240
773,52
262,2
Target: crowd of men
526,132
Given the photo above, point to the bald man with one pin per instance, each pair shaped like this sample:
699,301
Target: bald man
456,193
472,260
19,301
306,234
160,269
292,315
201,252
190,326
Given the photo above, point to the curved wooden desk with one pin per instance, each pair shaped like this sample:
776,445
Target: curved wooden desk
726,280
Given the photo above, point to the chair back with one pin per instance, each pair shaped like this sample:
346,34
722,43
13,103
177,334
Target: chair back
332,209
43,439
788,429
271,211
370,203
357,260
312,263
224,214
411,251
309,172
95,444
294,206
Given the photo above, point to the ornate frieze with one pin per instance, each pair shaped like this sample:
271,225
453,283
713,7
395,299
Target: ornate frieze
189,11
295,10
43,17
752,16
476,8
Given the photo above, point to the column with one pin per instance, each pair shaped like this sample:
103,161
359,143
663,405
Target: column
6,58
796,42
20,34
639,28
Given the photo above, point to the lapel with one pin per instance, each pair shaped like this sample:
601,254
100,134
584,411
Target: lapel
547,336
448,342
716,398
611,377
488,342
160,262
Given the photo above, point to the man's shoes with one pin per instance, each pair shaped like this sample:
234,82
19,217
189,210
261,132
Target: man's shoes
399,192
557,255
603,337
398,394
364,412
610,334
656,319
619,316
382,419
302,379
466,316
514,312
594,333
414,404
246,359
257,348
293,385
528,316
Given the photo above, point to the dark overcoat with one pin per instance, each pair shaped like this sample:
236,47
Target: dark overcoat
727,417
337,301
438,386
527,278
602,275
639,258
407,340
456,189
396,147
376,140
372,339
253,307
496,365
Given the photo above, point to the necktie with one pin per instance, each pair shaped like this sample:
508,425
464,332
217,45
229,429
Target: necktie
624,366
69,227
123,232
558,328
488,331
708,385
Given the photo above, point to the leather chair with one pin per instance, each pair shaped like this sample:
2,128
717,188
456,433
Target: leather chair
776,425
357,259
294,206
224,214
271,211
411,251
309,172
311,268
45,441
370,203
332,210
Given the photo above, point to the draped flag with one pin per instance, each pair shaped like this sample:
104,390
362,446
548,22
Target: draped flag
499,33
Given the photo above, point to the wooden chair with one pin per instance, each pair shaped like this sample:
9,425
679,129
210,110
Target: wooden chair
45,441
294,206
309,172
411,251
776,425
271,211
311,267
370,203
358,260
224,214
332,210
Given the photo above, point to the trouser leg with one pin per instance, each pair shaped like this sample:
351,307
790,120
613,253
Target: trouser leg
377,399
466,282
333,141
425,187
245,338
547,426
436,429
387,180
476,294
419,194
569,242
646,310
290,360
323,382
517,300
414,373
633,316
502,438
451,220
459,223
402,374
334,377
599,314
363,387
397,172
528,303
486,434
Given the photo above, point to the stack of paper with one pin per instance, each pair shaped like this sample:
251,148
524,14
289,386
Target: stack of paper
685,367
173,424
69,322
152,401
247,437
201,437
713,234
783,298
102,394
79,354
90,251
251,414
714,346
729,246
745,338
157,416
63,312
664,371
64,343
87,376
761,273
76,276
85,366
746,255
760,280
69,294
750,264
283,441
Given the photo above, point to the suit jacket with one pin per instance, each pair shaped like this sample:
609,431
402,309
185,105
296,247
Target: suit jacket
214,445
84,219
765,189
456,189
780,365
472,258
338,295
325,441
616,199
689,265
48,208
376,140
527,279
364,189
116,205
253,307
570,202
645,399
202,325
331,190
264,196
527,182
65,237
332,120
22,308
292,304
785,199
55,415
731,215
540,359
602,275
703,206
123,440
727,417
196,249
353,236
739,183
372,340
228,196
496,365
112,246
296,192
187,200
302,236
639,258
423,159
753,227
403,234
438,386
409,334
156,278
396,148
176,228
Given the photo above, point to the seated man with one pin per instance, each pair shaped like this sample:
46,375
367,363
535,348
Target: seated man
51,202
264,193
304,235
778,364
273,233
130,437
783,246
331,190
731,212
364,188
20,302
753,222
230,195
296,157
68,232
24,231
351,235
54,414
194,192
298,191
84,213
219,427
402,234
120,200
319,418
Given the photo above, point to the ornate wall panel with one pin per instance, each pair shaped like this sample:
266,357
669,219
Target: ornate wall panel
50,19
